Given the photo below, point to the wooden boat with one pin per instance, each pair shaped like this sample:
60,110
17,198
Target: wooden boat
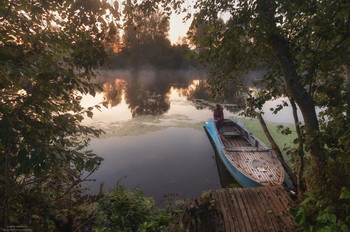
247,159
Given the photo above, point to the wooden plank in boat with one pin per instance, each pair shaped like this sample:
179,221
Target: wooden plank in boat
241,161
247,168
261,175
242,148
232,134
270,174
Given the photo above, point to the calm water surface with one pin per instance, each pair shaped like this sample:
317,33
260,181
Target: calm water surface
154,135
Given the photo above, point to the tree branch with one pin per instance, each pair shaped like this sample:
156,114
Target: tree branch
300,183
68,191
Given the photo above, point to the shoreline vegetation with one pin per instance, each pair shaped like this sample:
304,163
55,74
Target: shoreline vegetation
124,210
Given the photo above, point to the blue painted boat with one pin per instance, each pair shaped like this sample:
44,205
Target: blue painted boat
247,159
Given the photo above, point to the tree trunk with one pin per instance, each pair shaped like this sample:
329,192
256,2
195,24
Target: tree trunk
5,206
266,10
273,144
276,149
300,182
301,96
347,87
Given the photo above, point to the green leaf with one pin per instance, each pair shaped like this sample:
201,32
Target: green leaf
327,218
347,220
36,216
345,193
299,215
90,165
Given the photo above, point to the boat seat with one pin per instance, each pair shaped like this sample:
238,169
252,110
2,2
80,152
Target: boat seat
232,134
243,149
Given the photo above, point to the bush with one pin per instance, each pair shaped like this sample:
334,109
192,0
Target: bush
317,213
124,210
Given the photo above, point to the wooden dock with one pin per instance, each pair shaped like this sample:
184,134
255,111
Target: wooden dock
255,209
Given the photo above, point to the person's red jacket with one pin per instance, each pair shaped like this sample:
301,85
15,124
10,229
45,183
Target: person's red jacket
218,114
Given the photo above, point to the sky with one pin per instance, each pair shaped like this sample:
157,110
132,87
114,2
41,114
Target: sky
178,28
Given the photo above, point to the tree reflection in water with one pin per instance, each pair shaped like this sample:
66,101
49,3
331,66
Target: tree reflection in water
198,93
113,91
148,98
147,92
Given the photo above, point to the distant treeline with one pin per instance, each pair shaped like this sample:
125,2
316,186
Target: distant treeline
142,40
158,54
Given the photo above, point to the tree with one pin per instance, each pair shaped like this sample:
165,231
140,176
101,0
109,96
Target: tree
143,24
48,50
145,31
305,47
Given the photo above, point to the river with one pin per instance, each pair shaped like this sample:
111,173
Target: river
154,138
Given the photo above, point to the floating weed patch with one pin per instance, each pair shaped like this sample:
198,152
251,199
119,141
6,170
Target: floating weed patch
145,124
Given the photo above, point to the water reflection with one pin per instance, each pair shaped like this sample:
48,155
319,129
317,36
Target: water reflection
113,91
197,93
148,92
150,98
177,161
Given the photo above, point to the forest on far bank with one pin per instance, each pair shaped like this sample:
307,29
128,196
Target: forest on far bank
142,39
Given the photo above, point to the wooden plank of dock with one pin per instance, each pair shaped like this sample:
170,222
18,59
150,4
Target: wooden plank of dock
255,209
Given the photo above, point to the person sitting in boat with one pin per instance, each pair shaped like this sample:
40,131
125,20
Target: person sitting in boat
219,117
